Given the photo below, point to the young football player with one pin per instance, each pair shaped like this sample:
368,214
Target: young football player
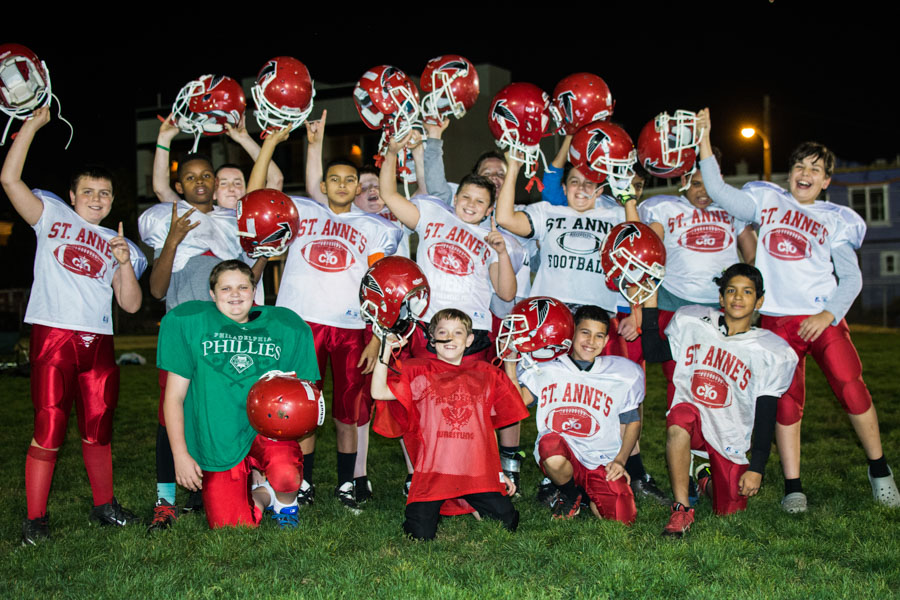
213,353
450,411
79,267
728,378
804,245
491,165
582,399
332,251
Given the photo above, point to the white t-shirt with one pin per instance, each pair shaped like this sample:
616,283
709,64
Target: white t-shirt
327,261
570,243
584,406
794,249
73,270
700,244
216,233
724,375
456,261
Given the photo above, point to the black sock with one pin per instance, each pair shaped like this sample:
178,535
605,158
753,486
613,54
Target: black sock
879,467
569,489
635,467
346,463
309,461
792,486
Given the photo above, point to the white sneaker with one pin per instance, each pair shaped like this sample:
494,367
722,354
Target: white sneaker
794,503
884,490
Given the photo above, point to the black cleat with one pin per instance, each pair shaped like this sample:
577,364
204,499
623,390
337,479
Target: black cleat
194,503
112,513
163,516
346,493
307,494
35,531
646,487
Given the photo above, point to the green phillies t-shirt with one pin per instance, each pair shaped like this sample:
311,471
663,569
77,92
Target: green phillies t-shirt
223,359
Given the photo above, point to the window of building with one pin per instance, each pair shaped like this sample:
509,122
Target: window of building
871,202
890,263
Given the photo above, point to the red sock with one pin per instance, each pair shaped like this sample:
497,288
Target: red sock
39,464
98,463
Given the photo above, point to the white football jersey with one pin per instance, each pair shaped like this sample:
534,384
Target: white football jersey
584,406
570,244
216,233
456,261
794,248
724,375
327,261
73,270
700,244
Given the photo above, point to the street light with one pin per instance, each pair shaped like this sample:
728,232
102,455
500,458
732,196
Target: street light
748,132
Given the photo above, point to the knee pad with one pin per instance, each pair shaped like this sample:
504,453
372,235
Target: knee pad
283,478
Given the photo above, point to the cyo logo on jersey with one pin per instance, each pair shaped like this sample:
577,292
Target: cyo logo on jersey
786,244
705,238
450,259
330,256
579,242
81,260
572,420
709,389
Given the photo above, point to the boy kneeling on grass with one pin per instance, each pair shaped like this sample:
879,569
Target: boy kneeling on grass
728,378
450,413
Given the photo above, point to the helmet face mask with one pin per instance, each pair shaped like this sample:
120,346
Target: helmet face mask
394,295
451,87
668,145
205,105
24,82
634,260
602,151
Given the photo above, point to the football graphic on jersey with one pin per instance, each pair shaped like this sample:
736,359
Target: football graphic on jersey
705,238
572,420
579,242
709,389
329,256
450,259
81,260
786,244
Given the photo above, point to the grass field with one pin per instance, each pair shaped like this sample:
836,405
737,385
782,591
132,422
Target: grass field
844,547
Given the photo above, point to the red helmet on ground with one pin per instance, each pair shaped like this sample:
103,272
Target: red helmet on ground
633,255
518,119
205,105
668,146
579,99
387,98
450,84
283,93
602,150
268,223
393,295
538,328
282,407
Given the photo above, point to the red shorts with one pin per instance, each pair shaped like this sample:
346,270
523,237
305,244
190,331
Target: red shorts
614,499
69,366
345,347
835,354
226,494
726,475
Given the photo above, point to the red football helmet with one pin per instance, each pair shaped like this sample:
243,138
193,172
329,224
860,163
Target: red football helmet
282,407
519,118
633,255
24,84
393,295
602,150
538,328
579,99
283,93
205,105
451,86
668,146
387,99
268,223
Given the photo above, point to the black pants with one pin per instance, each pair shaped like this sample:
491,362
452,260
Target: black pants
422,517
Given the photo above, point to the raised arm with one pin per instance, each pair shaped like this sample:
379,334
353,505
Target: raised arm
435,179
23,199
274,176
739,204
379,387
405,211
167,132
553,190
516,222
264,159
315,136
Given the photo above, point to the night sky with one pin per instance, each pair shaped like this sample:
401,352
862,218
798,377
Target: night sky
828,81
